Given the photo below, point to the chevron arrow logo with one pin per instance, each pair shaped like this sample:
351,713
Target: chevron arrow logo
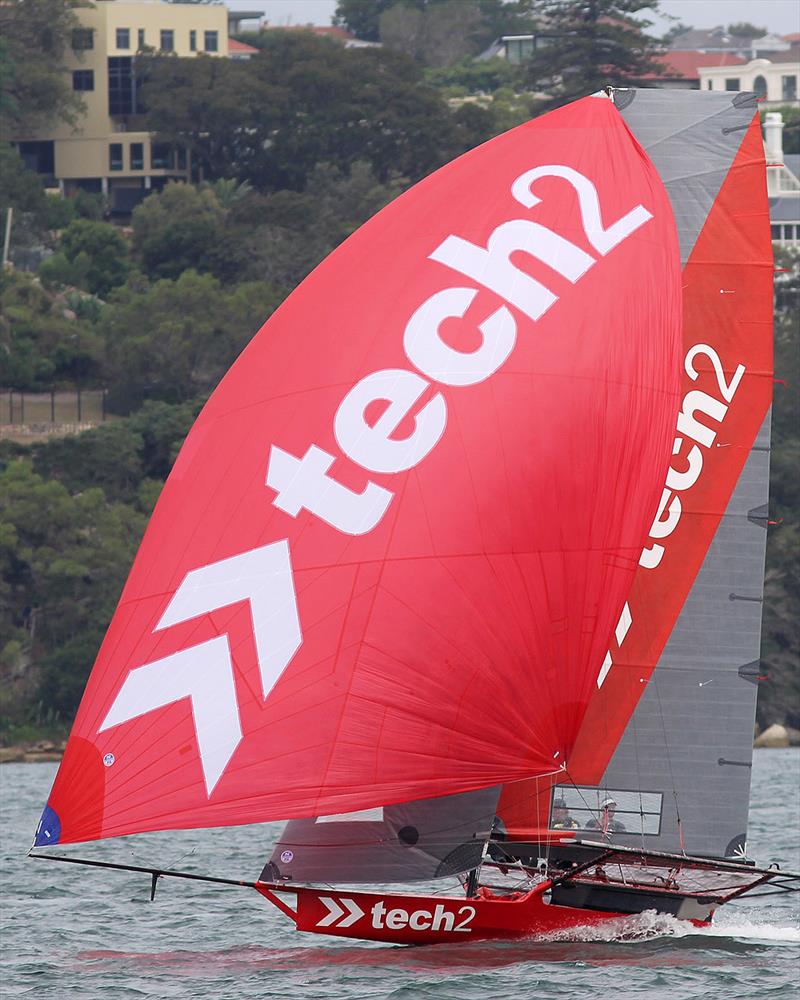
343,908
204,673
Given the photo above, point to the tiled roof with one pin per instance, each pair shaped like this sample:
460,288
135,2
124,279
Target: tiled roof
682,65
240,47
787,56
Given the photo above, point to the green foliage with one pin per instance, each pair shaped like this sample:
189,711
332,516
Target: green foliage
434,33
43,342
58,211
476,76
63,565
19,188
779,695
303,101
188,228
591,43
175,339
107,457
292,231
210,106
34,35
466,26
361,19
791,127
91,255
89,205
744,29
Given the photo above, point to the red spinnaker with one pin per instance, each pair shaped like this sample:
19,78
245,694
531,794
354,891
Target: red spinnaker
393,549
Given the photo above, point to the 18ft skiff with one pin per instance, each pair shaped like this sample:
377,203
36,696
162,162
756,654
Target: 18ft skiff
474,526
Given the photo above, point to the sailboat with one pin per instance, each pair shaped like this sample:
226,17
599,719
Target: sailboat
433,552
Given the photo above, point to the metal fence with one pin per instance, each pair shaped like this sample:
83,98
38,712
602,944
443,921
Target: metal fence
59,407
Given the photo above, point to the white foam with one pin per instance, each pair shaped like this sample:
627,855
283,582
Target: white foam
648,925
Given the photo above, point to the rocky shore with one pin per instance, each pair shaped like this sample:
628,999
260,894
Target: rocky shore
32,753
777,735
774,736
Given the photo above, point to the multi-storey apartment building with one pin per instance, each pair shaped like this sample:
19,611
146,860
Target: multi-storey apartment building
107,149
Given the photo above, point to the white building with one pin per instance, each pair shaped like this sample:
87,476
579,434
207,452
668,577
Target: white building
775,80
783,184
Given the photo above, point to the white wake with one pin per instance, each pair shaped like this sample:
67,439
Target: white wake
649,925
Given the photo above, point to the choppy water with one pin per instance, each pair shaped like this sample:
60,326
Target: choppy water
70,932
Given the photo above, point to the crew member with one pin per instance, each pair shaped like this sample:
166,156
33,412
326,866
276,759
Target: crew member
606,823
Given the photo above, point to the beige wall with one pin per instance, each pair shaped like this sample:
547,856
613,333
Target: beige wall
82,150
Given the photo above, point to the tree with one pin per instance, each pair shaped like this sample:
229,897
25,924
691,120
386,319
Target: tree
440,32
210,106
63,561
107,457
791,127
177,229
302,101
91,255
295,230
175,339
43,341
34,35
362,19
779,695
590,43
744,29
20,189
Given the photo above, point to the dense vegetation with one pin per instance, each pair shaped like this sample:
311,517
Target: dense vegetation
294,150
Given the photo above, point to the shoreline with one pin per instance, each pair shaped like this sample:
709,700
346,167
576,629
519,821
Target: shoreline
46,752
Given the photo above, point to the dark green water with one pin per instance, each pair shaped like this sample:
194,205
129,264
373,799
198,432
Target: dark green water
69,932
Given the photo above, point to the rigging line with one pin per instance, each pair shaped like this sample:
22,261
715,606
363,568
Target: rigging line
635,733
654,682
595,816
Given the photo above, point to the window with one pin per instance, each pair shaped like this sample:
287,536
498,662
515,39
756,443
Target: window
38,156
733,83
180,158
167,40
210,41
137,156
760,87
121,86
83,79
518,49
123,38
140,42
161,156
193,41
776,232
82,39
634,811
709,84
115,156
789,88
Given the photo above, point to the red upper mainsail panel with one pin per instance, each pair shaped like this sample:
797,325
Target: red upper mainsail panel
725,395
393,548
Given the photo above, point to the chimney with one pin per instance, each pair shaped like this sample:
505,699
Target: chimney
773,136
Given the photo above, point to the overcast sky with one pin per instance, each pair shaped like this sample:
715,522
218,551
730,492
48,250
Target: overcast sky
779,16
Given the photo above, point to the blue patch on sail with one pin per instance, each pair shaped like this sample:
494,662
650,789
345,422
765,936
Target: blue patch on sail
49,830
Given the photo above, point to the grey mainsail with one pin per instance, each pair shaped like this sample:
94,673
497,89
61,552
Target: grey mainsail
409,841
690,738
